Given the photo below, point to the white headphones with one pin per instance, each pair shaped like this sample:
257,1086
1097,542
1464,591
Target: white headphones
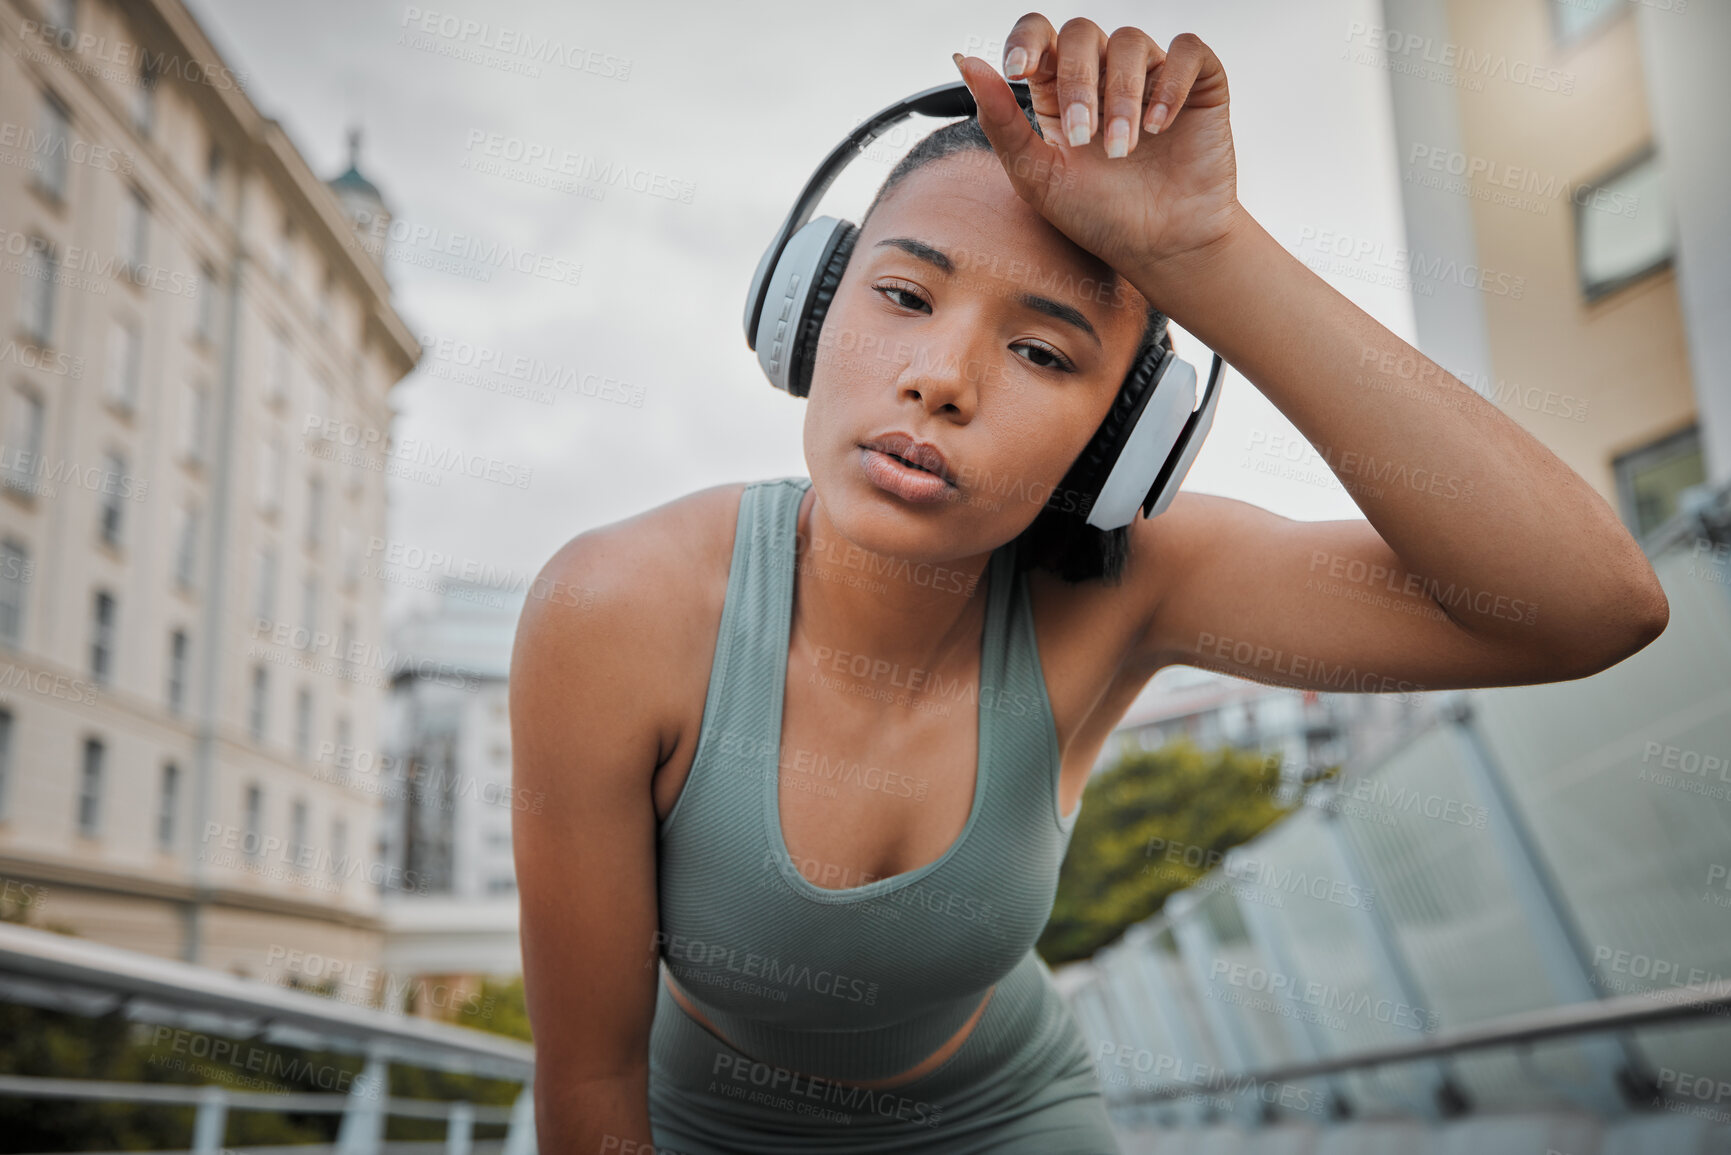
1143,448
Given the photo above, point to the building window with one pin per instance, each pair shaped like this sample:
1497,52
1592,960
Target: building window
59,15
194,408
277,372
339,844
212,190
168,801
1573,19
23,443
1651,479
264,585
252,838
327,290
186,548
346,639
350,548
129,240
270,464
310,605
36,291
90,789
285,251
177,655
14,578
5,759
304,723
102,615
144,102
315,510
113,498
1623,226
120,387
54,128
260,692
298,849
204,319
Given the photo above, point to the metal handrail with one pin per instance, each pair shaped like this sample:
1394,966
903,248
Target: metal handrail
1623,1012
193,1095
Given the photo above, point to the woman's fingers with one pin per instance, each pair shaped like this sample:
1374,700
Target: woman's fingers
1131,58
1081,44
1185,59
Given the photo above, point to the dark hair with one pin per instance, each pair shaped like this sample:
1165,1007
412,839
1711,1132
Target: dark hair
1059,540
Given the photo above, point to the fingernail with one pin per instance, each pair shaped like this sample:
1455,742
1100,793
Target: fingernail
1016,62
1156,117
1076,124
957,57
1117,137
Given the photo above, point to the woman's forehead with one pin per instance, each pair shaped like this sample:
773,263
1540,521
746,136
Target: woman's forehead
963,213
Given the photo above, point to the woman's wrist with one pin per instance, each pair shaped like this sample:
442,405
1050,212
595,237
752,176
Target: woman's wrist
1177,283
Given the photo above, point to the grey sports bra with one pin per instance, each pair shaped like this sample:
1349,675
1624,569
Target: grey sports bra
862,982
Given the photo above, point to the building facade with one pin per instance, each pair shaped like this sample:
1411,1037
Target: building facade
193,431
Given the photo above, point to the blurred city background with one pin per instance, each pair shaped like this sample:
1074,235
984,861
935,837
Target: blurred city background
327,323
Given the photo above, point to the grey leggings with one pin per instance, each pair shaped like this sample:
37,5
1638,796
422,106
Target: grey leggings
1037,1095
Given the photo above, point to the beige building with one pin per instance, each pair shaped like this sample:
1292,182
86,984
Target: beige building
1563,166
194,427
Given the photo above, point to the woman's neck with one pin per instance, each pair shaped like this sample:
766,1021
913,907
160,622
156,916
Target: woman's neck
855,606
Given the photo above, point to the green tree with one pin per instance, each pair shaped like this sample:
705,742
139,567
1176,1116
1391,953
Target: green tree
1150,825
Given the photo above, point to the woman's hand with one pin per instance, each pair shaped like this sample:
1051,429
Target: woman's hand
1137,164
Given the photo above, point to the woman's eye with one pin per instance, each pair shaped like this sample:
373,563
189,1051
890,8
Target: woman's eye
913,300
1052,359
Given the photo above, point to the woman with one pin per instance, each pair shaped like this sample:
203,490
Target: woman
812,750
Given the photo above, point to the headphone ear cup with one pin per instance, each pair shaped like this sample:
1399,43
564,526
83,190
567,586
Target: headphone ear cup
811,325
1088,473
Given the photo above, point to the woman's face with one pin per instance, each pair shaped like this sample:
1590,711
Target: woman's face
967,322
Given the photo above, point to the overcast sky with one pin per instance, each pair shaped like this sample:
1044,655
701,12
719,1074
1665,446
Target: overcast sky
730,106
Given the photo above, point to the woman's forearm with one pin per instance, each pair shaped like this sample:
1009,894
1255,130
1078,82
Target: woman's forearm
1459,491
591,1116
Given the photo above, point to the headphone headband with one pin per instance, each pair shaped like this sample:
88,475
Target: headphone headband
1149,437
943,100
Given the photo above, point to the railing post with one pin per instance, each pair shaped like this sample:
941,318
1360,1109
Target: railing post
458,1128
1616,1064
210,1125
363,1125
520,1139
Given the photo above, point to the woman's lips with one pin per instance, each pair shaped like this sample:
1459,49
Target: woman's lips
907,482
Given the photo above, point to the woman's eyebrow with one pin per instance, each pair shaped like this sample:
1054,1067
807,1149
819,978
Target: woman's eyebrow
1056,310
921,250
